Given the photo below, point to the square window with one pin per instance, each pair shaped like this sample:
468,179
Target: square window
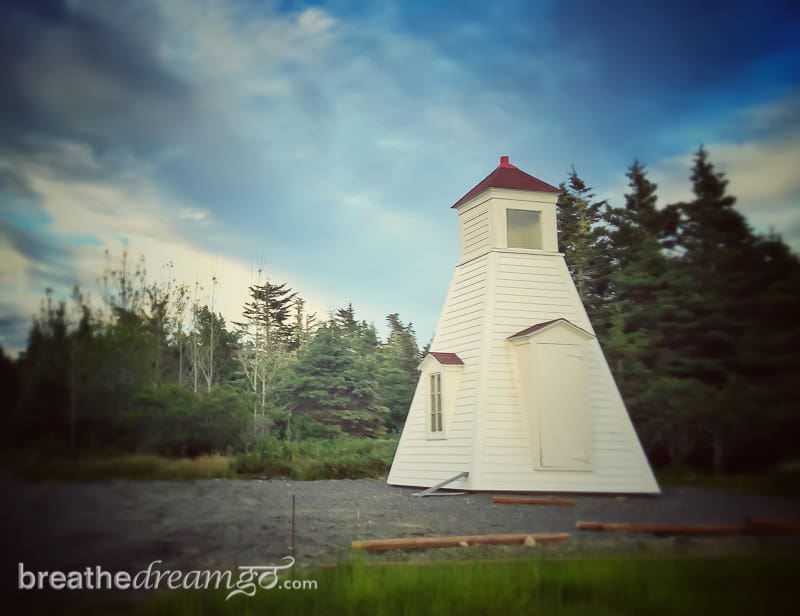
524,229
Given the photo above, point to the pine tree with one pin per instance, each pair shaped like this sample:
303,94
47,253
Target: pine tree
346,319
397,371
582,239
267,343
335,385
727,300
711,230
638,223
269,311
715,250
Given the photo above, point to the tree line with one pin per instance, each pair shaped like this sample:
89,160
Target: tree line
696,313
155,369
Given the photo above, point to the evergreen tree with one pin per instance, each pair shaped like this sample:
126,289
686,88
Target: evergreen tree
268,340
582,239
334,384
641,311
711,230
714,330
346,319
397,371
213,356
303,324
268,314
9,385
637,225
364,332
716,261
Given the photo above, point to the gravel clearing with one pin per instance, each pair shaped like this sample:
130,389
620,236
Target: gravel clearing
224,523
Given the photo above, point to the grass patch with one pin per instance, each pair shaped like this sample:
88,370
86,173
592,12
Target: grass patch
313,459
131,466
785,483
676,586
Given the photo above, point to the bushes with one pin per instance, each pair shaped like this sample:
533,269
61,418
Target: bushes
340,458
36,466
172,420
312,459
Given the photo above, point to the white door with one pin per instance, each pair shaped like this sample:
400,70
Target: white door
562,406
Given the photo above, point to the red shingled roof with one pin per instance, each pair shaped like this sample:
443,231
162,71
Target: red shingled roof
535,328
538,326
507,175
448,359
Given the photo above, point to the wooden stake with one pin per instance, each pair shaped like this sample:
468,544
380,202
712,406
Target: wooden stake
525,500
421,543
292,524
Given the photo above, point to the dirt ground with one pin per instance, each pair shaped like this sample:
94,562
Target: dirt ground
225,523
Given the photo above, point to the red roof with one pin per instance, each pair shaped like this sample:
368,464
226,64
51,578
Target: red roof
507,175
535,328
538,326
448,359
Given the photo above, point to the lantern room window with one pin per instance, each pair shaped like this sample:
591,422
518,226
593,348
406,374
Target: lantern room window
524,229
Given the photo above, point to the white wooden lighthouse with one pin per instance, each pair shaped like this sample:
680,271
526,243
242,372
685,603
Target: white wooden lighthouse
516,392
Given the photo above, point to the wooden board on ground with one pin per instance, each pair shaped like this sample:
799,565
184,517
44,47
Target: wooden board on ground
666,529
766,525
421,543
752,526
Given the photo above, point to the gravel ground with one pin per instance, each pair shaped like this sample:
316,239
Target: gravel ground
224,523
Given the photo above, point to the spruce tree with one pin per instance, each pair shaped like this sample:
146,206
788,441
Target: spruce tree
634,227
266,341
397,370
729,328
582,239
334,384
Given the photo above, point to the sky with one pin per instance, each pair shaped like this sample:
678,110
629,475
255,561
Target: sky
324,143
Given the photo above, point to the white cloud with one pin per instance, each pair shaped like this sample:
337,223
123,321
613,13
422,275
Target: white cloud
762,175
315,21
223,43
137,215
190,214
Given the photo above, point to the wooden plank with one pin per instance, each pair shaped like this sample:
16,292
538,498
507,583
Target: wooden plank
525,500
766,525
667,529
422,543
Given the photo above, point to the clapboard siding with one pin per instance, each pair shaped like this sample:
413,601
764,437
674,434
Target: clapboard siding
475,239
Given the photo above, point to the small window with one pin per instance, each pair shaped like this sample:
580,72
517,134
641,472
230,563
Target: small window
524,229
436,402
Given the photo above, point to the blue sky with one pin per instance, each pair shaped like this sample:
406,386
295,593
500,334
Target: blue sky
327,141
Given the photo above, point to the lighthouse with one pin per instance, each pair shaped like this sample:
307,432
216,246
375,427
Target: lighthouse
515,393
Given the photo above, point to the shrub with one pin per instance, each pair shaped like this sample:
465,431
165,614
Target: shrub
311,459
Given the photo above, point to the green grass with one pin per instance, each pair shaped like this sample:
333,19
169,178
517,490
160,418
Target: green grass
340,458
785,483
312,459
32,466
676,586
